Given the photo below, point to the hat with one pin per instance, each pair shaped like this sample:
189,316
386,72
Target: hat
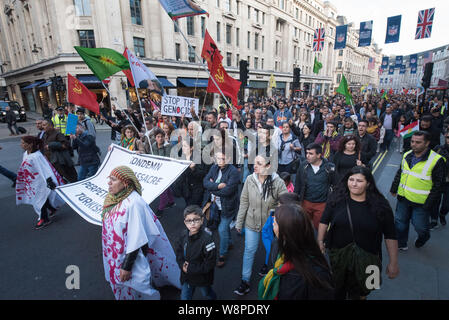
82,110
60,108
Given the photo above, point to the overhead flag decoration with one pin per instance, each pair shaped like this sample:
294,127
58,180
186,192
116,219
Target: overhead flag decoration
413,69
317,66
399,61
413,60
391,70
272,81
402,69
385,62
179,8
210,50
344,90
366,31
371,63
102,61
425,23
340,37
79,95
393,29
318,39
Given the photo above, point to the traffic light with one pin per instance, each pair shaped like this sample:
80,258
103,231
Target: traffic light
296,77
427,75
244,76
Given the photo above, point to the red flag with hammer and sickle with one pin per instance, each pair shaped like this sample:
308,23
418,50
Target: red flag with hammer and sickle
79,95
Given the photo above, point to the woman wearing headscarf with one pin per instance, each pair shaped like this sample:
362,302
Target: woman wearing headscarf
136,250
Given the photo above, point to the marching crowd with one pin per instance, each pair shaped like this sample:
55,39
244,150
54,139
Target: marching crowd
296,174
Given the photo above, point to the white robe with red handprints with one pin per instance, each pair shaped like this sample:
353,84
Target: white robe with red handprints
130,225
31,183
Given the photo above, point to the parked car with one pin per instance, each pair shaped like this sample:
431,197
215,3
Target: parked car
18,110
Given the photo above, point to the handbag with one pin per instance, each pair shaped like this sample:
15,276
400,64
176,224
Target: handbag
352,260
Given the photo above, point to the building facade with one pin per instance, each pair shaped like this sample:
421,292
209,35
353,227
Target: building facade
274,36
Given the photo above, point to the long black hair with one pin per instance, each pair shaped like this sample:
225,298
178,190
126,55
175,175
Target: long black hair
376,201
298,244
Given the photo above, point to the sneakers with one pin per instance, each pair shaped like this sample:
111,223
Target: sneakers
52,213
403,248
263,271
433,225
220,262
42,223
442,220
242,289
419,243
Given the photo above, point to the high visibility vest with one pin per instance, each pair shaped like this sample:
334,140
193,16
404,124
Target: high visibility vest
59,124
443,108
416,183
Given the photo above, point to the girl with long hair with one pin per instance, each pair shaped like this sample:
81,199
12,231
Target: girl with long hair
359,217
348,156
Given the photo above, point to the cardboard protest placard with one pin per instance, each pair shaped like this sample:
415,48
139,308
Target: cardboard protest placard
179,106
154,173
72,121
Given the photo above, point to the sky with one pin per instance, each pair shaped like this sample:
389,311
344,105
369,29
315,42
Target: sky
379,10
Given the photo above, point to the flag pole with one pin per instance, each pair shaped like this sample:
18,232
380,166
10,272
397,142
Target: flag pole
104,86
204,66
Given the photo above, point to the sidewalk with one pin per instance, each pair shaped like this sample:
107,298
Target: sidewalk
30,127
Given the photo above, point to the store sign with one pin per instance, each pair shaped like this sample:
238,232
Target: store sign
178,106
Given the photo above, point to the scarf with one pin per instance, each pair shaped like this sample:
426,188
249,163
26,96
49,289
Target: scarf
128,143
327,146
127,176
269,285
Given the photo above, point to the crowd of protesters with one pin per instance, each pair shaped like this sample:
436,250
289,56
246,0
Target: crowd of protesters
244,160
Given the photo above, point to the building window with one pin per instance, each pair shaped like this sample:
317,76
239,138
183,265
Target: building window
176,27
256,15
297,13
82,7
203,27
218,3
237,37
237,5
340,64
139,47
263,43
218,32
178,51
256,63
249,61
228,5
277,47
237,59
191,54
282,4
256,41
263,17
228,33
229,59
261,67
340,53
338,78
190,26
136,11
249,39
249,12
87,38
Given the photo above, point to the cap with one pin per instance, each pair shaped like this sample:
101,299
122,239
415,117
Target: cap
80,110
60,108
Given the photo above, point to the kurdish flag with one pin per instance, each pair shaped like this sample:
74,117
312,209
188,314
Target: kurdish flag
385,95
102,61
409,130
317,66
344,90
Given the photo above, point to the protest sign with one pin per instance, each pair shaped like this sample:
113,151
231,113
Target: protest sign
179,106
154,173
72,121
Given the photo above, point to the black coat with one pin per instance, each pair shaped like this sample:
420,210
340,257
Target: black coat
190,184
11,117
87,150
301,177
369,147
200,252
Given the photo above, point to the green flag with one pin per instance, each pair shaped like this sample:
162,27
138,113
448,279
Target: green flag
385,96
317,66
344,90
102,61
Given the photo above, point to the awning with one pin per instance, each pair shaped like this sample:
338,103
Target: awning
45,85
193,82
165,83
89,79
31,86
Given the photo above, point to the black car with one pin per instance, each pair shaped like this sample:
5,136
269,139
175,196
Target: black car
18,110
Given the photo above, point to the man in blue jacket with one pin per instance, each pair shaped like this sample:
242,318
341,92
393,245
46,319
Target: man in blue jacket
87,152
221,184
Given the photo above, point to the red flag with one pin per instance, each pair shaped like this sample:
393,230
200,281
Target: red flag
210,50
228,85
128,72
79,95
391,92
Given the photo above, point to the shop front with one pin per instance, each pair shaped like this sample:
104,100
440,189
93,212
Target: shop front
195,88
94,85
42,92
280,89
258,89
28,96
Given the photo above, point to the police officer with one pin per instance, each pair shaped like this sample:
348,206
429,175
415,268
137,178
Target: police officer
417,185
60,120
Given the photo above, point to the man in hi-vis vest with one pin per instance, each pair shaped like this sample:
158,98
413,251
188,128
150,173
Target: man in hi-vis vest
417,186
60,120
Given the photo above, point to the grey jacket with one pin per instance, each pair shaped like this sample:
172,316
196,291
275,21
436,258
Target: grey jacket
254,211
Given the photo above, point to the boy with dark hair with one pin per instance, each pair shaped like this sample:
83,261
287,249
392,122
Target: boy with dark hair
196,254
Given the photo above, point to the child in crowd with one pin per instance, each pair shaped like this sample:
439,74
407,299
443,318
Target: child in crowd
287,179
196,255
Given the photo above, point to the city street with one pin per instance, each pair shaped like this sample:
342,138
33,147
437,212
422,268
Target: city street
34,262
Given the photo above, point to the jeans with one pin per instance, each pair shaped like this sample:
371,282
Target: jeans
251,244
224,231
10,126
419,218
246,171
389,135
187,292
8,174
87,171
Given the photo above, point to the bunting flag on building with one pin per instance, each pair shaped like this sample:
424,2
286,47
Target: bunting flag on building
179,8
228,85
385,62
272,81
366,31
210,50
391,70
340,37
413,69
317,66
79,95
102,61
413,60
399,61
425,23
393,29
343,89
318,39
402,69
371,63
